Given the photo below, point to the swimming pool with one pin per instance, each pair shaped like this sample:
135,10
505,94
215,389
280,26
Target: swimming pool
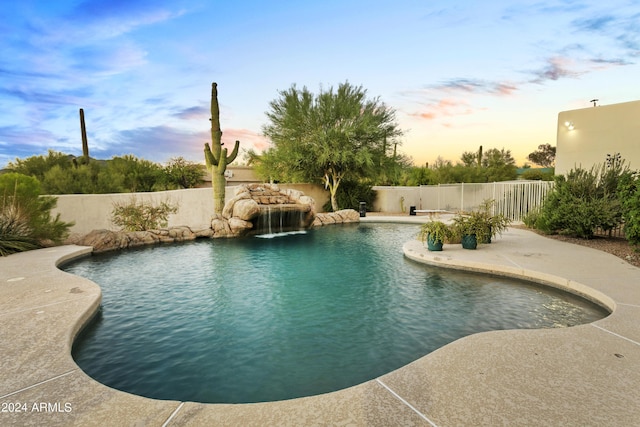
248,320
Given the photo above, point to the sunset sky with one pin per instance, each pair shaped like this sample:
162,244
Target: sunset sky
458,73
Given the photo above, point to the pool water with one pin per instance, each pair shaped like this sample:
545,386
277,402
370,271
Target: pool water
254,319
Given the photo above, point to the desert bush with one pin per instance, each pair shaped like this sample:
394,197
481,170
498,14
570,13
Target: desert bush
582,201
140,216
25,215
629,197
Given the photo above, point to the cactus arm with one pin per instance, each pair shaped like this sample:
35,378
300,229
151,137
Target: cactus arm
208,156
234,153
224,160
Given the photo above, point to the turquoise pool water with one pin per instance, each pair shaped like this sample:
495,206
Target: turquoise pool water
249,320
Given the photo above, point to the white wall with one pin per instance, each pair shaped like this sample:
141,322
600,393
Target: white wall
598,131
93,211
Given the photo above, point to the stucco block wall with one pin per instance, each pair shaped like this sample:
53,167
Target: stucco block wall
195,206
395,199
596,132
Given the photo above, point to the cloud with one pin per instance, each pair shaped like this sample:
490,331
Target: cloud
194,113
452,97
601,63
620,29
544,8
596,23
248,139
160,143
555,69
106,19
16,136
24,142
476,86
35,97
107,59
446,107
156,143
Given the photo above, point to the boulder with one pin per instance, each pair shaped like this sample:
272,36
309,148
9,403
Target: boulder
239,227
227,211
246,209
338,217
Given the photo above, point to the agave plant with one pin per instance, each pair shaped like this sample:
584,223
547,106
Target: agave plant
15,233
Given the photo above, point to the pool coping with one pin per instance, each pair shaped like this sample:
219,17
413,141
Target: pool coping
583,375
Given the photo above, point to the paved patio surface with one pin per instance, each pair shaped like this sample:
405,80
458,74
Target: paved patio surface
581,376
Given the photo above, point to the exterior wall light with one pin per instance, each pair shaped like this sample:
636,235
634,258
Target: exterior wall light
569,125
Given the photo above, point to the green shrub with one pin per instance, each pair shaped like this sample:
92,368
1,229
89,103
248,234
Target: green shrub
25,215
141,216
537,175
582,201
351,193
629,197
531,218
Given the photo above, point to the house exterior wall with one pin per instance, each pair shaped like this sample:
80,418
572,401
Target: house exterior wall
587,135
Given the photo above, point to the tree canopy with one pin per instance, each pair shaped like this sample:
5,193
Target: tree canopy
333,135
60,173
544,156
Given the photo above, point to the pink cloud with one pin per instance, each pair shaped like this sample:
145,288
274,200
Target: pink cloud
557,67
248,139
445,107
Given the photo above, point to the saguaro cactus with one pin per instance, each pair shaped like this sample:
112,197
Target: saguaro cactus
85,144
215,156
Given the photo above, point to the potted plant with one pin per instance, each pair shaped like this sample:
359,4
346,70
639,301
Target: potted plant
495,224
479,226
471,227
434,233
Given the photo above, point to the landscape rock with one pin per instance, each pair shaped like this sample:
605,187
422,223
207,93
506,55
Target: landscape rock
338,217
108,240
246,209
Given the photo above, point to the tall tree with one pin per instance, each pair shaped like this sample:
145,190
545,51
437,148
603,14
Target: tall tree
329,136
544,156
499,164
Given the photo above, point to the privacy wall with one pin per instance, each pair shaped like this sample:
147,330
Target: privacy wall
195,206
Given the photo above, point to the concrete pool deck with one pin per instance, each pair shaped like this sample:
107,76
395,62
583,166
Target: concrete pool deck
586,375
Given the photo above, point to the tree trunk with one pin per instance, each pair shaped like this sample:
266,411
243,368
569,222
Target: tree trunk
332,181
334,202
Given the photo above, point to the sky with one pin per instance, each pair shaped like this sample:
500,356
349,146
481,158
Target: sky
459,74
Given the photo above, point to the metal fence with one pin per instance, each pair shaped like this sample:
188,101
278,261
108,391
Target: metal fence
514,199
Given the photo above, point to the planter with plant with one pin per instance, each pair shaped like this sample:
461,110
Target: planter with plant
471,227
495,224
434,233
